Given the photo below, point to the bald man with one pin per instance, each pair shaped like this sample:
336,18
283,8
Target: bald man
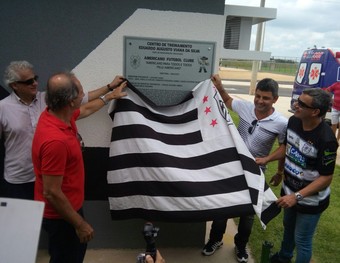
58,166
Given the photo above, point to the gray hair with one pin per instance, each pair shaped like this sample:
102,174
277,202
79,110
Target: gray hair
11,73
58,95
321,99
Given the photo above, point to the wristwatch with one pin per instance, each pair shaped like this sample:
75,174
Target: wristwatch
104,99
298,196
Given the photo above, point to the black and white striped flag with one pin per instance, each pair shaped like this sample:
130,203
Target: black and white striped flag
182,163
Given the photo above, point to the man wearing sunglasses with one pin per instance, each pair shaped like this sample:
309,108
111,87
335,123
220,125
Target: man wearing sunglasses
310,151
19,113
259,126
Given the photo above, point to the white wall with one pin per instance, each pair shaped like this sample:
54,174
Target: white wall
106,61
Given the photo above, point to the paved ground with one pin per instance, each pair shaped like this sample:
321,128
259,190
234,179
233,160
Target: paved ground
174,255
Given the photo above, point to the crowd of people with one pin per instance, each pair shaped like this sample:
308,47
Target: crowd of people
43,158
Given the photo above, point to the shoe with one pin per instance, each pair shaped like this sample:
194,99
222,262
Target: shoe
241,254
276,259
211,247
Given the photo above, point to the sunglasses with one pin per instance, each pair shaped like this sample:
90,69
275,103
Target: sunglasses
29,81
304,105
252,128
81,142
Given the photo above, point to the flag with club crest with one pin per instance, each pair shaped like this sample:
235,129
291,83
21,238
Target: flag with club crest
182,163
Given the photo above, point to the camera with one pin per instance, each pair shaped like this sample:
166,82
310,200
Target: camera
150,233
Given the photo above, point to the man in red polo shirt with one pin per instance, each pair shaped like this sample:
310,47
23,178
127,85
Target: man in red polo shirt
58,166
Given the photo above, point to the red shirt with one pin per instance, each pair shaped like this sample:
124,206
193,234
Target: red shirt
335,89
56,151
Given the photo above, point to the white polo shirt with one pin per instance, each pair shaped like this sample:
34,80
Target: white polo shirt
262,138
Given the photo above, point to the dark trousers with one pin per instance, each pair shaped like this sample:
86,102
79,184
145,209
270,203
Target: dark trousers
63,243
20,191
244,230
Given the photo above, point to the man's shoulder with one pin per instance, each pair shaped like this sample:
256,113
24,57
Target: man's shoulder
47,128
241,101
326,129
41,95
9,104
294,120
278,117
7,99
242,105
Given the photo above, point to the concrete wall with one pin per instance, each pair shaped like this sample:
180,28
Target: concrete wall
55,35
87,37
99,67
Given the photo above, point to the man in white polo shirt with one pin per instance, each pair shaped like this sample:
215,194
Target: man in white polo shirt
259,126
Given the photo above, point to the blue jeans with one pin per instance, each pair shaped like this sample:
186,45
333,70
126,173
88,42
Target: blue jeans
298,232
63,243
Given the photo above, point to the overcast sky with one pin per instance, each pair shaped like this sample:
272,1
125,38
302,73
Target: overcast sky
299,24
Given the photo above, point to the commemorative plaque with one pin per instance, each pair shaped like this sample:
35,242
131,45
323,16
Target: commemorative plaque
165,71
